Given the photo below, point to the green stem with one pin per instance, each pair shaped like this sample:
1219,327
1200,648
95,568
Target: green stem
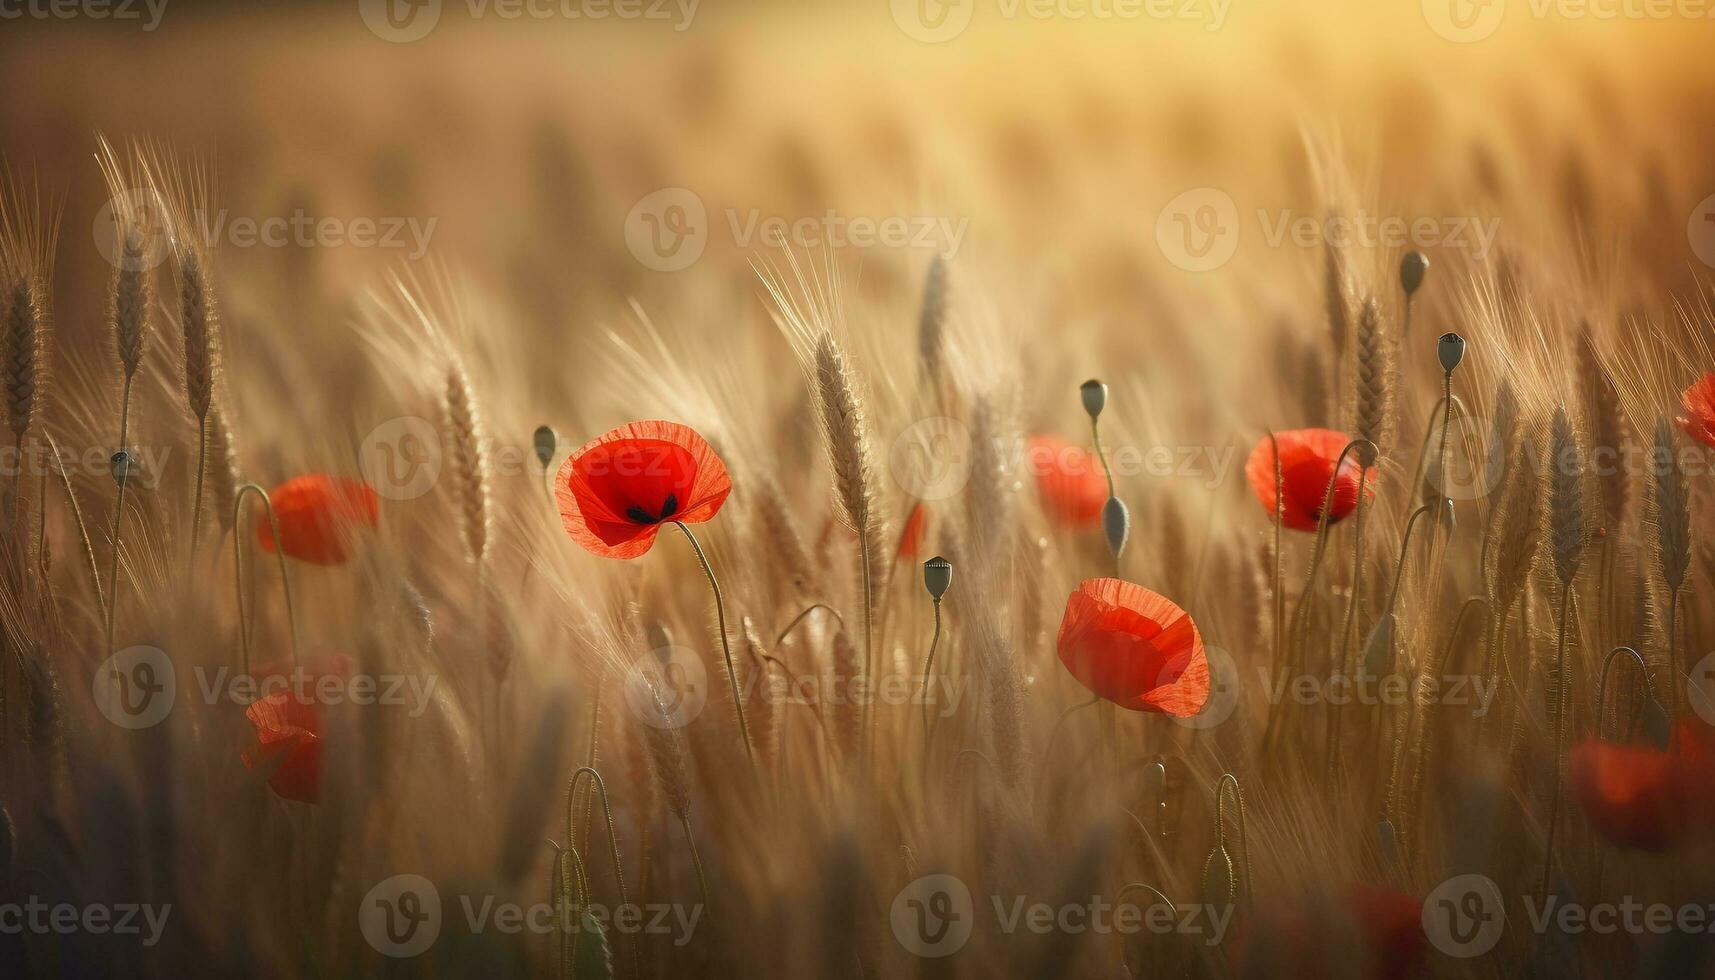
726,647
202,467
238,570
1561,700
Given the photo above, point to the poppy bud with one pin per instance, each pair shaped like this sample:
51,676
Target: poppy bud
544,445
1116,524
660,635
1411,270
1451,349
1095,396
937,576
1387,838
121,465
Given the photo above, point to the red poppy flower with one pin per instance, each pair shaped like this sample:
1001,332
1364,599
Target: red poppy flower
911,538
617,491
289,727
1639,796
1292,938
1134,648
1306,465
1390,924
1069,479
318,516
1699,403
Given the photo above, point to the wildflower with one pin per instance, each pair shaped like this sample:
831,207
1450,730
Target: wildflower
1639,796
1699,404
289,727
1134,648
1069,479
616,492
1307,459
318,515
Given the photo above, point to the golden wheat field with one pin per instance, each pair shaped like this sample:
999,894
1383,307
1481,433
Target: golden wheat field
879,488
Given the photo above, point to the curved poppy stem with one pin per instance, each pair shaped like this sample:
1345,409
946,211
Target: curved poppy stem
1295,633
612,838
1221,825
929,676
812,607
1333,757
1096,442
238,570
1602,685
726,646
562,878
1399,564
1160,899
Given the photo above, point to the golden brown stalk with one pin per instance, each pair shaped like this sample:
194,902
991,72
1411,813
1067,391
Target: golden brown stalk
1336,302
931,324
1374,396
1566,538
985,492
469,460
847,438
1670,518
202,361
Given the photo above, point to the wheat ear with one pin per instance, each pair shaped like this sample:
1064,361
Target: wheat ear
1566,537
469,460
1374,378
847,440
202,362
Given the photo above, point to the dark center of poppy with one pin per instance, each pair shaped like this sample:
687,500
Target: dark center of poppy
669,507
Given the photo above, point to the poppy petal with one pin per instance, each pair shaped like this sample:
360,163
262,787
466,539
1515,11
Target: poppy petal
615,492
